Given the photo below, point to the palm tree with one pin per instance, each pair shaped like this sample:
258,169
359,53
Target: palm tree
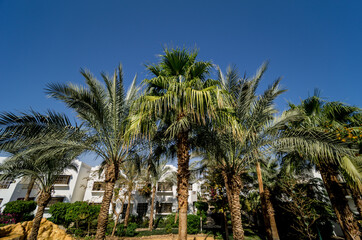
45,172
158,171
177,99
130,173
319,114
117,196
263,132
27,136
267,206
103,112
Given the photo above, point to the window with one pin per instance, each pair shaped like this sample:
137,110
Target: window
99,186
142,209
190,186
5,184
62,179
125,205
1,200
164,187
54,200
164,208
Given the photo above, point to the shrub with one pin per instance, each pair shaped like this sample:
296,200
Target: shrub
131,229
159,222
7,218
82,213
21,209
170,220
120,231
144,223
58,212
193,224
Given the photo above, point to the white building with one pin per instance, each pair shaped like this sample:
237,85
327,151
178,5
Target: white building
165,200
85,184
70,186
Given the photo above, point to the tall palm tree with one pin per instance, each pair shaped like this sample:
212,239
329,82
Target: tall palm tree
319,114
266,204
263,132
103,112
179,97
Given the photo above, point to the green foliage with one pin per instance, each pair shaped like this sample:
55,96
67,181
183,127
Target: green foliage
202,206
302,209
170,220
21,209
81,211
131,229
193,224
120,231
83,214
58,212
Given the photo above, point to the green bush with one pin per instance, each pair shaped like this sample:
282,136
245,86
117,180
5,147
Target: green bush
193,224
83,214
58,212
159,222
21,209
170,221
131,230
144,223
120,231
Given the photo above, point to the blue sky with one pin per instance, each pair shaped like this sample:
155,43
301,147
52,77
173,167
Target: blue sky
311,44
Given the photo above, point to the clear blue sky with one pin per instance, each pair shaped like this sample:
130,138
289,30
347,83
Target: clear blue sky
311,44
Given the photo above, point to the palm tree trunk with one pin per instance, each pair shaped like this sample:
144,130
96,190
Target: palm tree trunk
30,187
267,208
150,226
226,225
110,180
339,202
233,186
176,216
117,217
126,219
356,195
183,175
42,202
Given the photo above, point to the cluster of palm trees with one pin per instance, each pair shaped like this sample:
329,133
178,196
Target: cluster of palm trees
180,110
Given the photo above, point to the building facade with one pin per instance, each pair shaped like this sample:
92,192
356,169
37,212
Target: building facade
86,184
69,187
165,199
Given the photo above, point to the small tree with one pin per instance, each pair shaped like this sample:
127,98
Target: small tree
29,135
304,207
